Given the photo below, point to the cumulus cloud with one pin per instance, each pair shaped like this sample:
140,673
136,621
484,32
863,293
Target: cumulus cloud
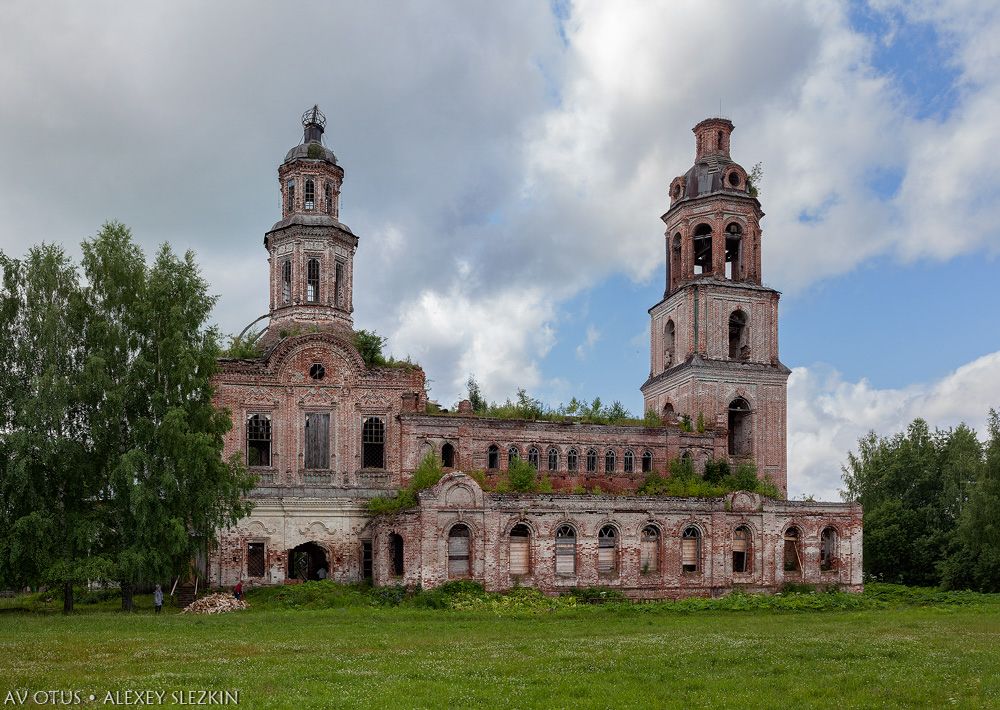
827,415
589,341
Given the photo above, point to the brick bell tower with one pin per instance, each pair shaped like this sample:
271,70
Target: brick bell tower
714,336
311,253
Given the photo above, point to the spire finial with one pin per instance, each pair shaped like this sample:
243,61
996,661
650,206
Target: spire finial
313,123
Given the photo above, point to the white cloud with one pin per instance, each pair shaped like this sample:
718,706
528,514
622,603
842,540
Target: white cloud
589,341
827,415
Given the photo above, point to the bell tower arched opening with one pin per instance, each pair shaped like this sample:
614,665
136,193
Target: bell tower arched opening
702,249
740,429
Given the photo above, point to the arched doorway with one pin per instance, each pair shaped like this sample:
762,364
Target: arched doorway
308,561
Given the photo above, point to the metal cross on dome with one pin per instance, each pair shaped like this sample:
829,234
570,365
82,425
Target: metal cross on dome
314,115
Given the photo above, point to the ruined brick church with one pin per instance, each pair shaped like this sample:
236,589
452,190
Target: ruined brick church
324,432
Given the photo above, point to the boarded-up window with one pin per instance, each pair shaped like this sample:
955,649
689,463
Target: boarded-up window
259,440
691,550
607,550
373,443
572,461
741,550
396,547
493,457
793,560
255,559
566,551
649,550
458,552
520,549
318,440
827,549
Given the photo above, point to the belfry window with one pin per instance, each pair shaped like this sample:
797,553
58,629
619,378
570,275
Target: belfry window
734,251
740,432
286,281
739,345
675,260
328,197
703,249
310,194
373,443
338,284
312,280
669,344
290,195
259,440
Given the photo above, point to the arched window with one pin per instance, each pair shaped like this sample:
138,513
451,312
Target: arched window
493,457
312,280
338,284
647,461
512,455
553,459
459,560
566,551
718,140
703,249
448,456
286,281
828,550
734,247
533,457
520,549
675,258
669,343
309,194
328,197
609,461
739,345
691,550
373,443
668,410
290,195
591,460
259,440
572,460
741,550
396,548
792,557
649,550
607,550
629,461
740,433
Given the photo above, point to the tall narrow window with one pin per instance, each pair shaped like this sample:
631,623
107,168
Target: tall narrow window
607,550
649,550
310,194
290,195
459,561
312,280
533,457
566,551
675,257
259,440
609,461
328,197
669,344
338,284
691,550
703,249
739,345
740,432
741,550
827,549
512,455
629,461
647,461
734,246
255,559
792,558
448,456
520,549
373,443
493,457
572,460
286,281
591,460
396,548
553,459
318,440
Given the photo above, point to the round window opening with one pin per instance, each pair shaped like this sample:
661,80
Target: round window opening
317,371
734,179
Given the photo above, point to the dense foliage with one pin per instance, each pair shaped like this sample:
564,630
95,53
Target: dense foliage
930,505
371,345
426,475
717,480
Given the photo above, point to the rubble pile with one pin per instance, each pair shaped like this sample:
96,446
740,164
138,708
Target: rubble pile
215,604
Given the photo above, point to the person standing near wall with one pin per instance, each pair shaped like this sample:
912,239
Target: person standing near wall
158,598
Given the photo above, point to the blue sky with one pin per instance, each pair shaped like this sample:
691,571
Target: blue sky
506,167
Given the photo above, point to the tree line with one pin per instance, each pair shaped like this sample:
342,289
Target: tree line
111,463
931,505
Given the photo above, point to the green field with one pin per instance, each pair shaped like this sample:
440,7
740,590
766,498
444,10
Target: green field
894,650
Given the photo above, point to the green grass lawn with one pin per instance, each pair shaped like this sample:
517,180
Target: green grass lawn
894,655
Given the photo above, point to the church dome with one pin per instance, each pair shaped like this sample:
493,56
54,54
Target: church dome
313,150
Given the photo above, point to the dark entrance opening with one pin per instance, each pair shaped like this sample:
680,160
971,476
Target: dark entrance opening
396,547
366,560
308,561
448,456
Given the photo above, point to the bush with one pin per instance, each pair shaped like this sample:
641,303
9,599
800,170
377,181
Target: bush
521,476
428,473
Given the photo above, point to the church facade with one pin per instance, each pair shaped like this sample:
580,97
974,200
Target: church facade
324,432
